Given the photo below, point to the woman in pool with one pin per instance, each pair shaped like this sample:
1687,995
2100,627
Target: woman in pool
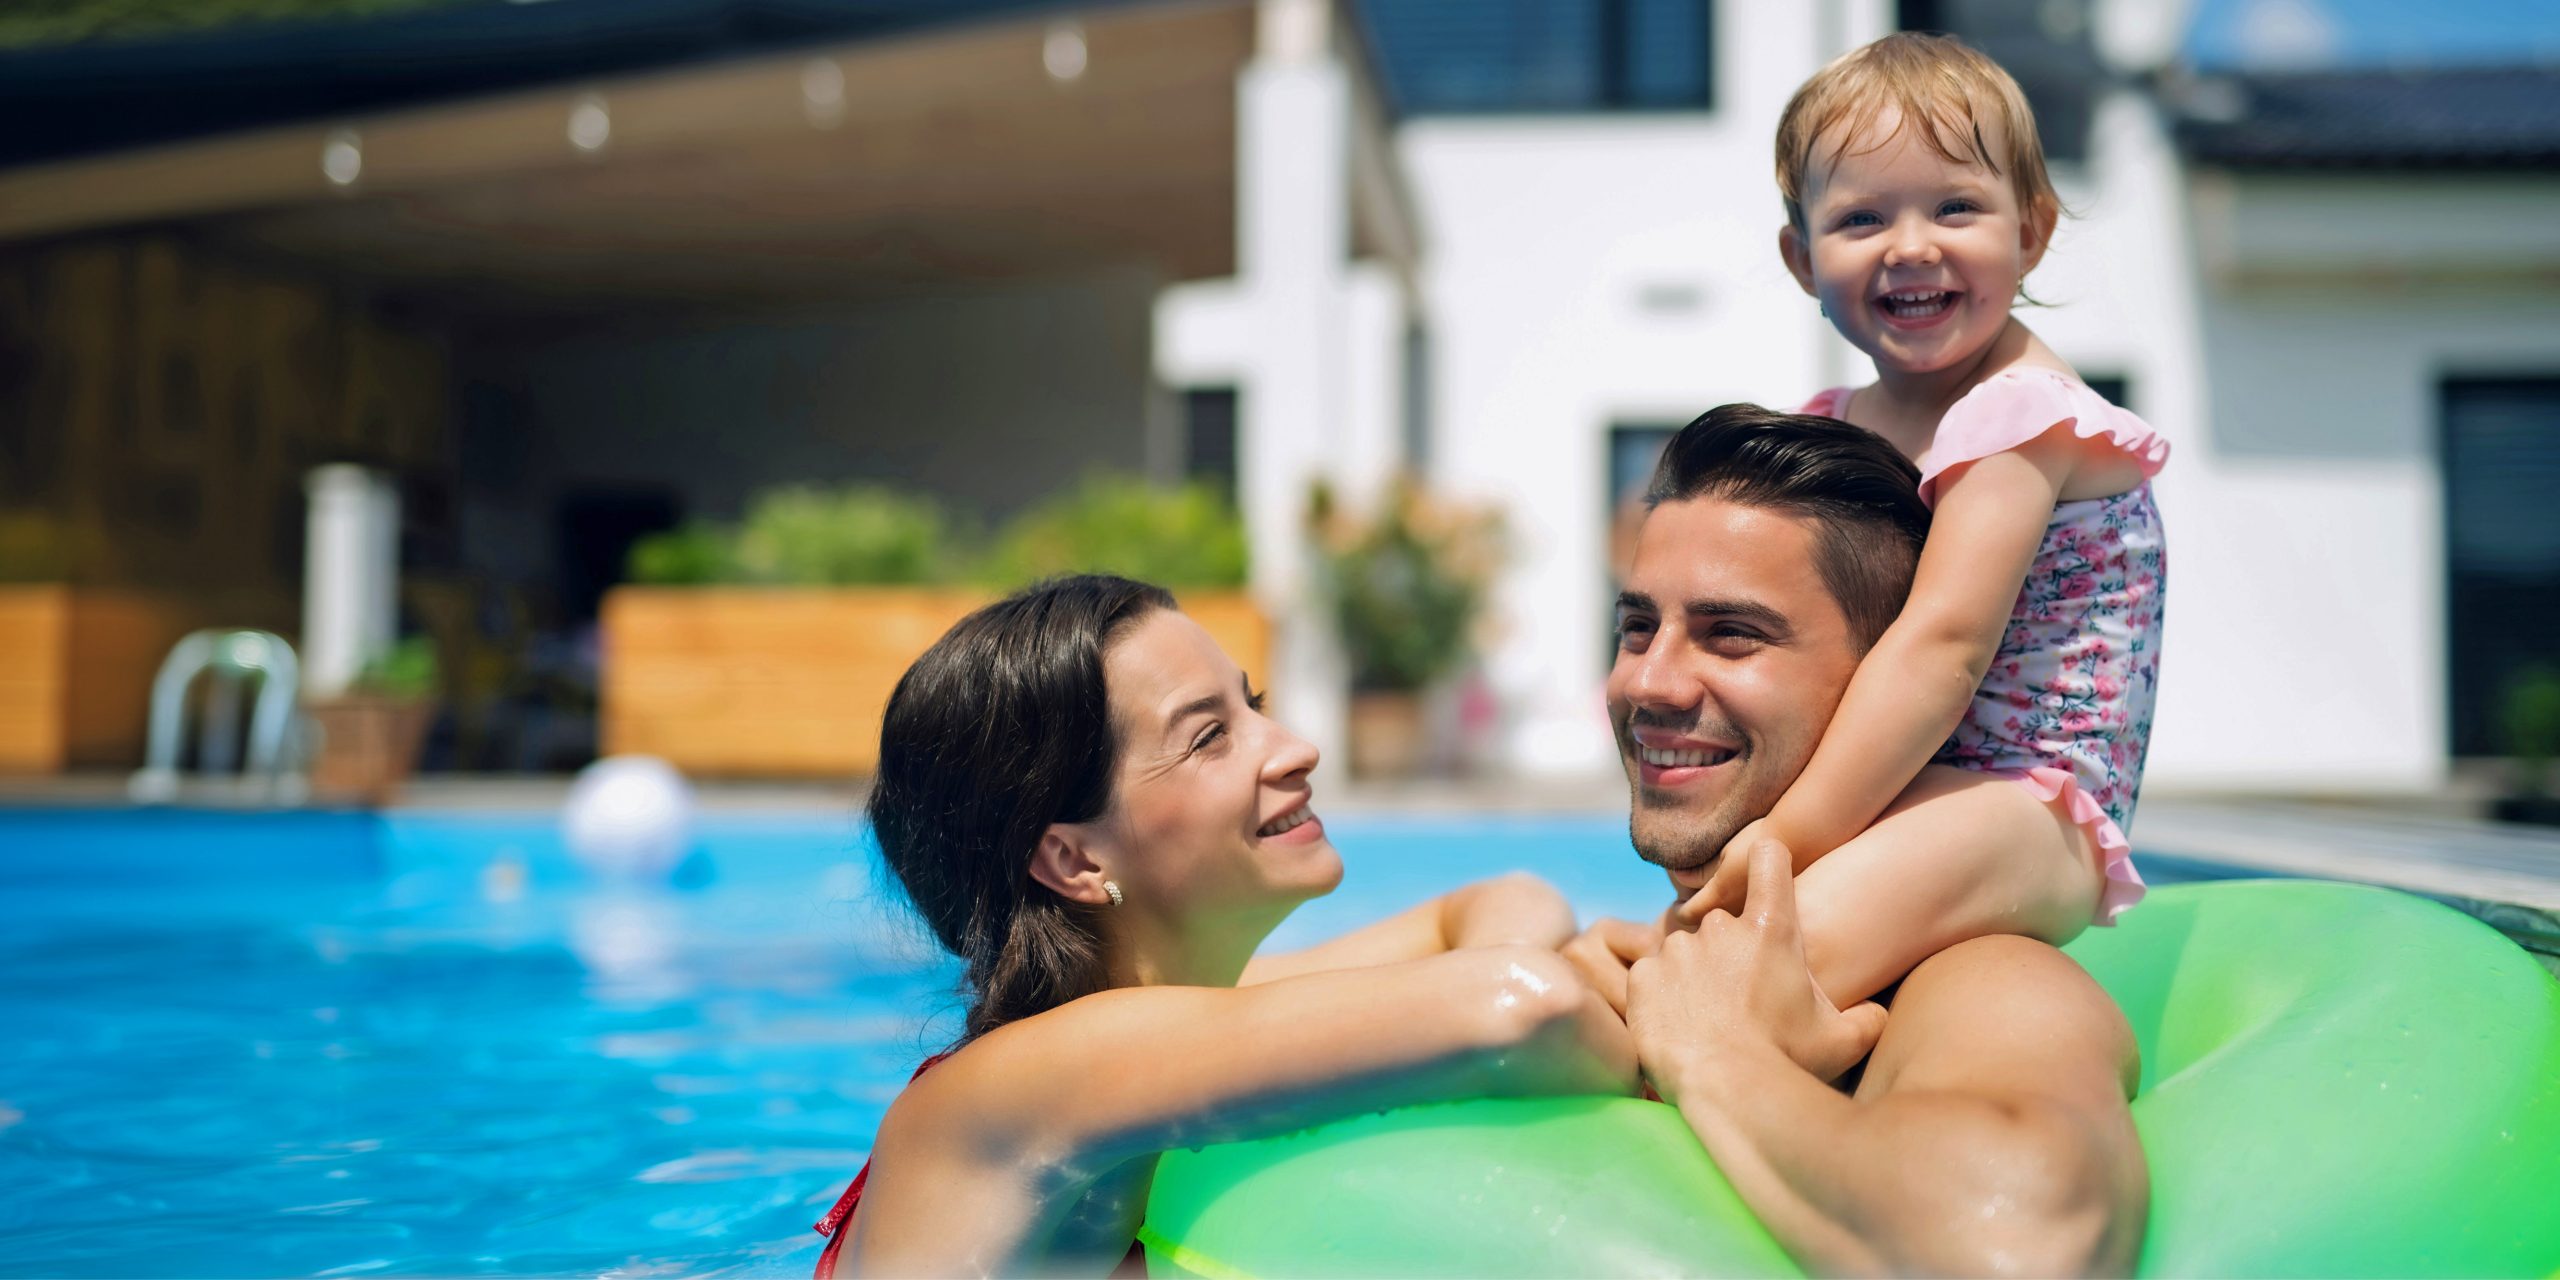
1081,796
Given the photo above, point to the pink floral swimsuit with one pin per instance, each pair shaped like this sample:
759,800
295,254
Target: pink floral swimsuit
2065,709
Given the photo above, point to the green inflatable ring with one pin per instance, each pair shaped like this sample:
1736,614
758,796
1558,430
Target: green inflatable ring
2336,1080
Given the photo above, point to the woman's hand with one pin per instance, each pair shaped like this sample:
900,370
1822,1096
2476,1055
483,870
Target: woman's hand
1515,908
1739,985
1602,954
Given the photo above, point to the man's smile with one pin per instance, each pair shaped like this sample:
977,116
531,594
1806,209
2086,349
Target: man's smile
1666,761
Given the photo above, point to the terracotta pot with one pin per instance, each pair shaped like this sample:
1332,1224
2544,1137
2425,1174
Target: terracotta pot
1387,737
368,746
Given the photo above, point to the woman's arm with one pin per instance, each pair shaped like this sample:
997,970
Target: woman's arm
1912,688
1514,908
979,1160
1160,1067
1133,1071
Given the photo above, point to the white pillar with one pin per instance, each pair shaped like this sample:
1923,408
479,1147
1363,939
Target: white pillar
351,574
1293,241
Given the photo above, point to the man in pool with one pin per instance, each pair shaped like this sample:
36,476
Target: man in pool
1982,1126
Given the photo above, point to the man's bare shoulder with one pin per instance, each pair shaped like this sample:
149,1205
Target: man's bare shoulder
2004,1013
2021,1035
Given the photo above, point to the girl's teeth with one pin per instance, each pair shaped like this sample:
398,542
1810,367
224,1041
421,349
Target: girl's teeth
1913,305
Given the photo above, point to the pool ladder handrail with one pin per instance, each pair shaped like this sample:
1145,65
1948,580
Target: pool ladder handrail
228,657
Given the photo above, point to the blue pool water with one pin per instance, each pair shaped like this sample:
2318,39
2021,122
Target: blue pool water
428,1044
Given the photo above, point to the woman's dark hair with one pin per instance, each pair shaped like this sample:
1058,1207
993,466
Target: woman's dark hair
1002,728
1858,489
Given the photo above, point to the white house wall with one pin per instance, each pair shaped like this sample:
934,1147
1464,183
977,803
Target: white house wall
1587,270
1584,271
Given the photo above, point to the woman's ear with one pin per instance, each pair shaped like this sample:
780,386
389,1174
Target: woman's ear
1798,256
1064,863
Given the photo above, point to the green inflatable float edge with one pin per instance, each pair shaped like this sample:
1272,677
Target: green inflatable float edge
2336,1080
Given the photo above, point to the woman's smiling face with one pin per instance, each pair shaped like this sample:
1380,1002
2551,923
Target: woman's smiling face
1916,257
1211,804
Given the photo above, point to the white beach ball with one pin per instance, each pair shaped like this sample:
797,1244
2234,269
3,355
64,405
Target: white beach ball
629,817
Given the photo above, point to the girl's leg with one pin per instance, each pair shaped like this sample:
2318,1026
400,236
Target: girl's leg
1958,855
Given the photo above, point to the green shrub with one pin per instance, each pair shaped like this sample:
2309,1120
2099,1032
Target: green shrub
696,554
856,536
26,23
873,535
407,669
2529,720
1174,537
1406,582
33,548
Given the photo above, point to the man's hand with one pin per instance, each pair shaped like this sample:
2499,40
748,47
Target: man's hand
1740,985
1602,953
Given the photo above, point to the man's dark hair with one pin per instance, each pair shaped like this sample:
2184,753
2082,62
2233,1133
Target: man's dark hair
1863,495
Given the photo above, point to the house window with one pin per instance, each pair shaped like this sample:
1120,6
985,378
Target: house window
2117,388
2502,579
1209,438
1634,448
2046,45
1546,55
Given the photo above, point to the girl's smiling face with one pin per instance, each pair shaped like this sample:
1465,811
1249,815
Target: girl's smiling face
1916,257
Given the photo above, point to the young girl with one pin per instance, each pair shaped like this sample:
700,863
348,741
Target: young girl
1917,202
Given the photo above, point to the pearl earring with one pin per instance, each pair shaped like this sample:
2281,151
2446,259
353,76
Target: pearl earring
1114,890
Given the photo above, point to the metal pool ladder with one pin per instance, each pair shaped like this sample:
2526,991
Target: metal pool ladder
229,658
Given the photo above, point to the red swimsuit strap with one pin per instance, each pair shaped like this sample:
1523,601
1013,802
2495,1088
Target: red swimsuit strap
832,1225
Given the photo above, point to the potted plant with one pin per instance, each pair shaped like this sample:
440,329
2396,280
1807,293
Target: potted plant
2530,722
1406,584
368,737
770,648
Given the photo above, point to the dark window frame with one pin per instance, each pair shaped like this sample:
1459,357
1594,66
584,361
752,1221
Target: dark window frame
2478,660
1613,63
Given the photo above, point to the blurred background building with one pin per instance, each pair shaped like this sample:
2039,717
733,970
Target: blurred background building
573,273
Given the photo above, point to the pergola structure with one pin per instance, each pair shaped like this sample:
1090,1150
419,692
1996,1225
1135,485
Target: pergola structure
997,146
584,159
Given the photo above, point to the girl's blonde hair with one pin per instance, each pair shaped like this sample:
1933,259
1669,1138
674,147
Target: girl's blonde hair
1940,85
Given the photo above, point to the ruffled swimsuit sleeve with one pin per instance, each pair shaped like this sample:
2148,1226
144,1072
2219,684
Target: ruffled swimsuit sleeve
2012,408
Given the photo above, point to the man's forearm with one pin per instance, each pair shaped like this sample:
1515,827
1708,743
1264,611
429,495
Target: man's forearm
1785,1116
1936,1183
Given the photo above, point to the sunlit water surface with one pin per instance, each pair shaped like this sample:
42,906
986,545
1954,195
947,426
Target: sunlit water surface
430,1044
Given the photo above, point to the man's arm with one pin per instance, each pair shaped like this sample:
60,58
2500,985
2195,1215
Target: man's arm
1990,1134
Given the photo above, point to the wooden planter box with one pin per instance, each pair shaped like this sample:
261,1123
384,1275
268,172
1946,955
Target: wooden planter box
792,682
75,674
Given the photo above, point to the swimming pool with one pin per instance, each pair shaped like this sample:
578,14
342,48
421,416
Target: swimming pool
426,1043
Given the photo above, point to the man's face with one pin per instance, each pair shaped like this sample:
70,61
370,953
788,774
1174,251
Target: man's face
1732,655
